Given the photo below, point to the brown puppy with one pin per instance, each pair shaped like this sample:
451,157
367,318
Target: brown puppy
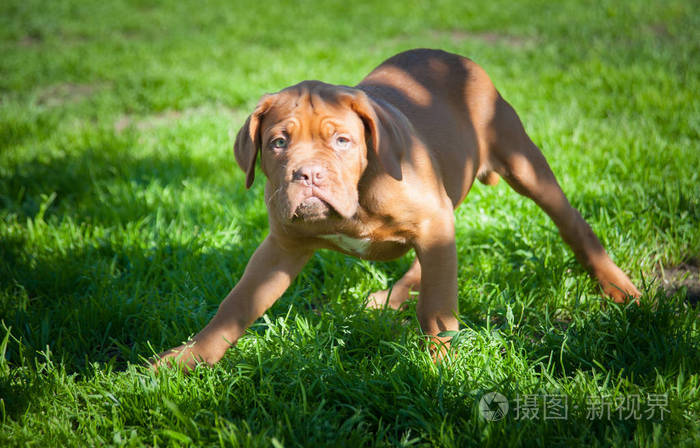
376,170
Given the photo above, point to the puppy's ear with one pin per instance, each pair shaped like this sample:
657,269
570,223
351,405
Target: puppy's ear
389,131
247,143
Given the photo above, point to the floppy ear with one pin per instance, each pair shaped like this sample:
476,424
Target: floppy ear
247,143
389,131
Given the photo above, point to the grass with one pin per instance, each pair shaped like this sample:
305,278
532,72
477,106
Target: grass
124,222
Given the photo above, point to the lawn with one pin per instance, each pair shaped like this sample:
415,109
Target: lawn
124,221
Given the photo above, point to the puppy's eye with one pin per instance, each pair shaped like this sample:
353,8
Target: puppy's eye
342,142
279,143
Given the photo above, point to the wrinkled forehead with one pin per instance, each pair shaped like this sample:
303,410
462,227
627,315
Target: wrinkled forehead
311,110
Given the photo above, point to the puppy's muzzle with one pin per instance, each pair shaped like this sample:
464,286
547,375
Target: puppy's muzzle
310,200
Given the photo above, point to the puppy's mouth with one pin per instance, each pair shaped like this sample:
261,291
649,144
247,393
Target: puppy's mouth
312,208
316,204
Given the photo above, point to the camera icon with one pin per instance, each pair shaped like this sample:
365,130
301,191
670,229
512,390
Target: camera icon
493,406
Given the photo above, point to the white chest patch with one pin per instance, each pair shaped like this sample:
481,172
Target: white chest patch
357,246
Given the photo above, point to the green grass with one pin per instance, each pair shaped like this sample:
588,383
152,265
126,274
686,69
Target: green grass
124,221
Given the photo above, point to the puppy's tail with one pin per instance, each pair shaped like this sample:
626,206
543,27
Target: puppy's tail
488,177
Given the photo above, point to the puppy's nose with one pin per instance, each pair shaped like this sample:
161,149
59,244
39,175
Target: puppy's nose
309,175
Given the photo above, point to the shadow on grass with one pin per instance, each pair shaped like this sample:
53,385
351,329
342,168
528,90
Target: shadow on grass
98,303
638,342
107,185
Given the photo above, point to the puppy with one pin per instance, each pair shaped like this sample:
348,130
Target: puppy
376,170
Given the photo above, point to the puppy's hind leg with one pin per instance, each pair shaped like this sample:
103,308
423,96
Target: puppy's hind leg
396,296
519,161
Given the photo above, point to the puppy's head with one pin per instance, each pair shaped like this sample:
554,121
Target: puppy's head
314,141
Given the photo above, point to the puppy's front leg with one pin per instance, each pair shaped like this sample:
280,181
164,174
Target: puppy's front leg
437,306
270,271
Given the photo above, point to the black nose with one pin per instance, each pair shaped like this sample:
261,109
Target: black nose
309,175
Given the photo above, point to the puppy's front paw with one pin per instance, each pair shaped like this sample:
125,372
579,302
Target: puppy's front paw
186,356
377,300
619,287
393,298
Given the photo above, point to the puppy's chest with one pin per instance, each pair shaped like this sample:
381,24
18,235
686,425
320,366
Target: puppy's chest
372,247
358,246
